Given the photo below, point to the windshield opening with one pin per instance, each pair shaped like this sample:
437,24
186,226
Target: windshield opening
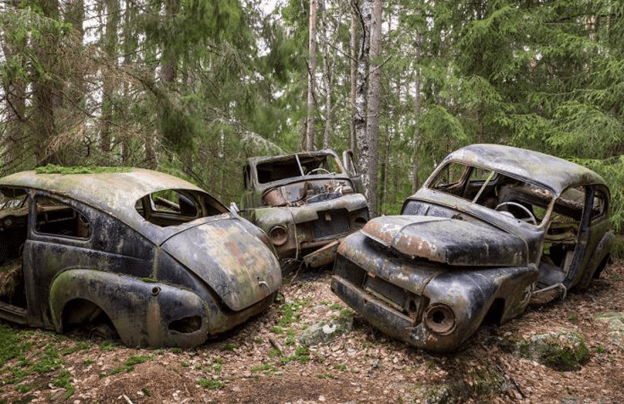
508,195
297,166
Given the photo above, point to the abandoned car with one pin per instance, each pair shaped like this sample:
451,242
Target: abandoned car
306,202
145,255
492,228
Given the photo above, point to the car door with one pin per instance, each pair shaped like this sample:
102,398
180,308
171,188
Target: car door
593,225
58,233
599,236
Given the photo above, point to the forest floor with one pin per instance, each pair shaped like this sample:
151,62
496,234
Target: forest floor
360,366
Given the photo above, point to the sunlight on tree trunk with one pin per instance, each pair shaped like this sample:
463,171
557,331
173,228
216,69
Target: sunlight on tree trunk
374,105
353,110
310,123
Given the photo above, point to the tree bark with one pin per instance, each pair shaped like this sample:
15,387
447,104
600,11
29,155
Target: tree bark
328,67
416,158
353,46
44,95
110,47
169,67
15,140
361,89
310,124
374,106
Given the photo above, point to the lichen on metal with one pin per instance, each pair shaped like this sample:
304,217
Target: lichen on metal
492,228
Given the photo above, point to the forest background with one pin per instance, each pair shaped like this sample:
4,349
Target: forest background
195,87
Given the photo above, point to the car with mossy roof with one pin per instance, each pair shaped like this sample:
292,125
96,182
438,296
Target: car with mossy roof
139,255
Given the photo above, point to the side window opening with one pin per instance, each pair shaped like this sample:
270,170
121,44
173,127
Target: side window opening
173,207
60,219
451,179
13,231
599,206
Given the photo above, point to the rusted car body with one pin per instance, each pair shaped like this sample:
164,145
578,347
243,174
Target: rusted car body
490,229
305,202
149,254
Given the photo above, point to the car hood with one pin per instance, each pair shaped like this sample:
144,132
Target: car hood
448,241
267,217
231,260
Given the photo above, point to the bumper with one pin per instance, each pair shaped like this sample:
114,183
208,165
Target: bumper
392,322
431,309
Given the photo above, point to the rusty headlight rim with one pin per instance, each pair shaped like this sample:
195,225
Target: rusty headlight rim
278,235
440,319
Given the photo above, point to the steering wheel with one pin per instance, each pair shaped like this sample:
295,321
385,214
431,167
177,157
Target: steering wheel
522,207
320,169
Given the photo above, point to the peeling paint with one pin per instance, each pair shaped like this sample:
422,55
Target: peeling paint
310,195
459,254
94,248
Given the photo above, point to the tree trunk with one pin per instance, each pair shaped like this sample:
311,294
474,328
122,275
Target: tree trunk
374,106
169,67
16,138
110,47
416,158
311,78
353,80
45,98
361,89
328,66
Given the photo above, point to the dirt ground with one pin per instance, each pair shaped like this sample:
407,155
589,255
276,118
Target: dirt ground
361,366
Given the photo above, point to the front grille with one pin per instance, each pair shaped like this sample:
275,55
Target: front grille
331,223
386,291
398,298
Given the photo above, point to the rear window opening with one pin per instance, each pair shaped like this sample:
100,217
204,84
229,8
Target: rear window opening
172,207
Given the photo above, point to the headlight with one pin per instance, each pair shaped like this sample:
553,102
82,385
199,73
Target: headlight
440,319
278,235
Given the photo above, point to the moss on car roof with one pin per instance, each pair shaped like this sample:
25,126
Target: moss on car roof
54,169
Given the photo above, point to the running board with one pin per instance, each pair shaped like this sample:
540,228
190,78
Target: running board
12,313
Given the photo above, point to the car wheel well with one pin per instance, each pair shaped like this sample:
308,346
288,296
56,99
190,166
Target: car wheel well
82,313
602,266
495,313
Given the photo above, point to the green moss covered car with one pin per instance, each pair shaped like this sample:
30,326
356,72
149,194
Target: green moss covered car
151,257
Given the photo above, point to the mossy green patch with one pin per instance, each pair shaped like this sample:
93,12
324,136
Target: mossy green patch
63,381
10,346
210,384
49,362
54,169
136,359
562,351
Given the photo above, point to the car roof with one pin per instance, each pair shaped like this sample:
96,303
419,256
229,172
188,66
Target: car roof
319,153
552,172
113,192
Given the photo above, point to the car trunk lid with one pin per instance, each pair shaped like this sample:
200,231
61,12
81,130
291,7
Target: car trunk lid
233,262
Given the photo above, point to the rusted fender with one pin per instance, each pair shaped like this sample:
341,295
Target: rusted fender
140,311
232,261
449,241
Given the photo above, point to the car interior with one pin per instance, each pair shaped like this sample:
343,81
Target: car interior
529,203
173,207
